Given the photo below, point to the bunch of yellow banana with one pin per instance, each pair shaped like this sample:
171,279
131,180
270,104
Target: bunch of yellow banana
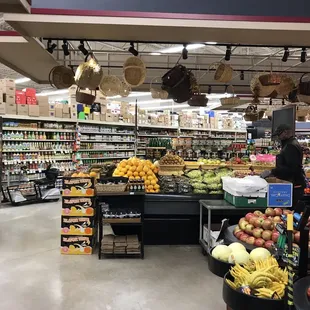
266,293
279,288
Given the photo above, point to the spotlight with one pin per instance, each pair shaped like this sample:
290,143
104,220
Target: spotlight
209,90
132,49
303,55
286,54
242,75
65,48
228,53
50,46
82,48
226,88
184,52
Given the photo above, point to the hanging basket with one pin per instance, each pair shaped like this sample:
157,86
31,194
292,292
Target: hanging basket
156,91
223,72
134,71
261,91
198,100
252,114
234,100
61,77
125,89
303,98
286,86
110,86
270,79
304,86
86,98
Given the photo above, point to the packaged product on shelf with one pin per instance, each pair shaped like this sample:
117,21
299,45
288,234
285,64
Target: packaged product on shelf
2,108
7,86
9,98
78,186
78,206
83,225
20,97
22,109
10,108
43,101
34,110
77,245
59,110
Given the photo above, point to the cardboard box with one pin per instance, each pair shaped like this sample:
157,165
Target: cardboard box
7,82
115,118
73,115
2,108
65,115
78,187
8,90
75,206
30,92
52,107
109,117
31,100
44,111
51,113
103,117
96,116
77,245
42,101
20,97
9,98
58,111
77,226
65,109
34,110
11,108
22,109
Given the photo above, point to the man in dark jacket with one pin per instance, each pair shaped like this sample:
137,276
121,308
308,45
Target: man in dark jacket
289,163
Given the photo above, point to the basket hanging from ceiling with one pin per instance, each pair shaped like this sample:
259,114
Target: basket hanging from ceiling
61,77
125,89
286,85
234,100
253,114
304,86
198,100
110,85
223,72
87,97
270,79
259,90
134,71
156,91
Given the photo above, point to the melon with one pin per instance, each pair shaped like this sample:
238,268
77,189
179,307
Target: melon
240,257
221,252
259,254
237,246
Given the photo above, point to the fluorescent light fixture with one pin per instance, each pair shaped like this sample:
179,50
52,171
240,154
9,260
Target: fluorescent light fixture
22,80
211,43
179,48
152,101
155,54
176,106
55,92
139,94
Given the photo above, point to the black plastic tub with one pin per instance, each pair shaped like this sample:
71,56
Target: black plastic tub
301,300
217,266
239,301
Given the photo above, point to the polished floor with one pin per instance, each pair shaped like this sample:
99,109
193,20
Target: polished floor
34,276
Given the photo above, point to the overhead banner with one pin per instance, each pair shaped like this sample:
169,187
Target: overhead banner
263,10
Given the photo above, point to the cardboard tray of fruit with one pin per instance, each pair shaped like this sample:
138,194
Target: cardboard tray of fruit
238,300
302,294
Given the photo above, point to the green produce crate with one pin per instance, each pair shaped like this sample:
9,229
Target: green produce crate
242,202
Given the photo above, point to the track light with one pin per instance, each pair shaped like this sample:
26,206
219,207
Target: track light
209,89
226,88
65,48
303,55
286,54
82,48
132,49
242,75
228,53
50,46
184,52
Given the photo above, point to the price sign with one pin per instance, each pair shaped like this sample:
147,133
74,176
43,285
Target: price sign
280,195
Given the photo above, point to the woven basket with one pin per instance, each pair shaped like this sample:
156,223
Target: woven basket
198,100
304,87
171,167
304,98
259,90
286,86
253,117
110,188
234,100
61,77
134,76
125,89
86,98
110,85
223,72
156,91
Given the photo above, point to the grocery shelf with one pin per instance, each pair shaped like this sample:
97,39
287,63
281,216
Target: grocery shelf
40,118
153,147
213,129
36,129
17,161
105,150
98,141
35,140
36,151
107,133
158,136
104,158
83,121
158,126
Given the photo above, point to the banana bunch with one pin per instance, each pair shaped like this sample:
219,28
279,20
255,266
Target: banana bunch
265,278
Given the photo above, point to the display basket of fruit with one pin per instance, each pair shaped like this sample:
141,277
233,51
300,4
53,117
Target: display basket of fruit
111,185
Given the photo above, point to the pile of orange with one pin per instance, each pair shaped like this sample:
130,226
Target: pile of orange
136,169
79,175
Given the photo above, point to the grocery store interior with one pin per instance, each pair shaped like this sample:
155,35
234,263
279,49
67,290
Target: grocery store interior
154,157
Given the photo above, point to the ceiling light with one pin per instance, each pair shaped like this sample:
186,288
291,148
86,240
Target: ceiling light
286,54
65,48
55,92
228,53
132,49
155,54
211,43
22,80
303,55
50,46
184,52
176,106
242,75
139,94
209,90
153,101
179,48
82,48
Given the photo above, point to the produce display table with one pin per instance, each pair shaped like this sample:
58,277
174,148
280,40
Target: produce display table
216,205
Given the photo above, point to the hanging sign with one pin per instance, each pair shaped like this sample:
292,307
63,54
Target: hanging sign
280,195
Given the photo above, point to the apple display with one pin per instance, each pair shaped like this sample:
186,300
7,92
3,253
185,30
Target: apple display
249,216
238,234
278,211
243,237
286,212
277,219
270,212
269,244
297,237
250,240
257,232
259,242
258,213
241,220
268,224
275,236
243,224
258,222
266,235
253,219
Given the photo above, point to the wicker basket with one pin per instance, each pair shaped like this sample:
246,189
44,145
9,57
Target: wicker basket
259,90
286,86
110,188
234,100
61,77
134,76
304,98
223,72
125,89
198,100
156,91
110,85
171,167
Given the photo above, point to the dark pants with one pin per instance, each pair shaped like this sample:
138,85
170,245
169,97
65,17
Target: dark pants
298,193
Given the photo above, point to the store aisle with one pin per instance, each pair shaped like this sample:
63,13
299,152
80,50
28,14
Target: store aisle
34,276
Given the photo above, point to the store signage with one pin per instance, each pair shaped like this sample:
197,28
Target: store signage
280,195
263,10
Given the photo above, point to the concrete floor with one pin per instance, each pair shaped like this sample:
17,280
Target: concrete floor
35,276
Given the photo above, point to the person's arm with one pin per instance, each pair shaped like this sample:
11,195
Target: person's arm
292,159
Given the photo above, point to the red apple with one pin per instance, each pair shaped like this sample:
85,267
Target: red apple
243,237
269,244
237,228
268,224
258,222
253,219
249,229
277,219
270,212
241,220
275,236
266,235
250,240
258,213
243,224
286,212
297,237
238,234
308,292
249,216
278,211
257,232
259,242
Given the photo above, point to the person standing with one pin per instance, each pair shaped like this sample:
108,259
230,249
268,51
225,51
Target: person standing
289,164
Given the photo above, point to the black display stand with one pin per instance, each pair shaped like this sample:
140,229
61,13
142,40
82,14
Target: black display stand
122,200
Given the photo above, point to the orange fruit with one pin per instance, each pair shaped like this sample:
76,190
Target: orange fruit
136,173
142,174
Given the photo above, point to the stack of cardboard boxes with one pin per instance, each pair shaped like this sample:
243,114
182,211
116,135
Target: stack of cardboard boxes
7,97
